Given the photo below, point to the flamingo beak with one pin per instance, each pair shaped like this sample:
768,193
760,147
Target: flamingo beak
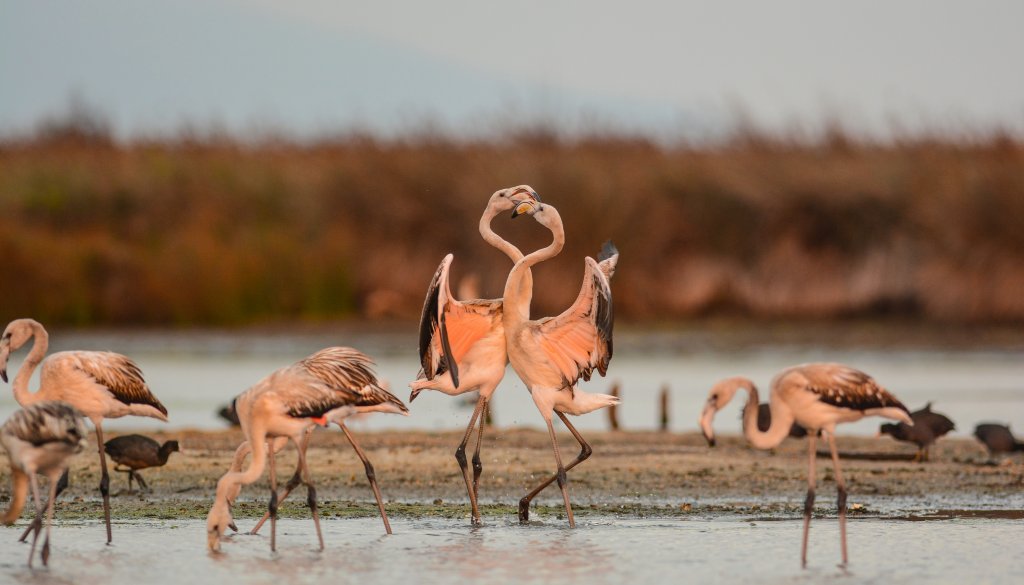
5,352
524,207
705,424
413,395
213,540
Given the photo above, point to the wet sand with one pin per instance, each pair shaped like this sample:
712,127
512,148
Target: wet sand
630,473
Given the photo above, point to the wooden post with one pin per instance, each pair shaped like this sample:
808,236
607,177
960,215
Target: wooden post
664,407
613,411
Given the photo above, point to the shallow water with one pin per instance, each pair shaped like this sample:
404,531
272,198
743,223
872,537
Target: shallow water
196,373
600,550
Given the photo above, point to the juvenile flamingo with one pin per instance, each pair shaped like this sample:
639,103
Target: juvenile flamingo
551,354
39,440
100,384
462,343
325,387
817,396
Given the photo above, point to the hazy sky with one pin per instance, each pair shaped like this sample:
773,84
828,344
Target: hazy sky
674,66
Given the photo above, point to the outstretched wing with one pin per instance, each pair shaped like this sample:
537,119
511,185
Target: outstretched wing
580,339
848,387
449,327
348,373
608,259
119,375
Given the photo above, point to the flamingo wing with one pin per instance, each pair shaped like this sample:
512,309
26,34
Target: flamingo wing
46,422
848,387
119,375
608,259
348,374
580,339
450,327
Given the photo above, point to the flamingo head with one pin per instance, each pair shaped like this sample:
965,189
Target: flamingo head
507,199
720,395
217,522
17,333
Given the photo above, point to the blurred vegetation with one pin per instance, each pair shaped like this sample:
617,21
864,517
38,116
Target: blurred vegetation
211,230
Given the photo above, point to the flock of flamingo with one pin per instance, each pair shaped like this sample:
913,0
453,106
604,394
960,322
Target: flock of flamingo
464,346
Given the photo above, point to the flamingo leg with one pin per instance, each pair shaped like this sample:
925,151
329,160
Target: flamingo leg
292,483
460,456
310,490
369,475
62,484
841,498
272,507
104,482
478,466
37,522
809,502
585,452
45,553
563,480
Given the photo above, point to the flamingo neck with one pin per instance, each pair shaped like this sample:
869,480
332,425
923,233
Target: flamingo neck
494,239
19,491
227,486
516,301
40,343
782,420
509,249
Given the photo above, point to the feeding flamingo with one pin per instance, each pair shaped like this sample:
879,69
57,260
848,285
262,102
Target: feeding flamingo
817,396
324,388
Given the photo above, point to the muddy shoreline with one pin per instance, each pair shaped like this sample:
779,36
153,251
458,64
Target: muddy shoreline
631,473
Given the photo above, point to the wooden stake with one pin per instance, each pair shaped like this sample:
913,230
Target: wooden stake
613,411
664,408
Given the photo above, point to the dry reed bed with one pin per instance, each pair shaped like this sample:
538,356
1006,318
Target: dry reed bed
220,232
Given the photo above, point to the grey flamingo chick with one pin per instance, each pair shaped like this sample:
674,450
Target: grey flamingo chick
819,397
135,452
39,440
99,384
997,438
324,388
928,427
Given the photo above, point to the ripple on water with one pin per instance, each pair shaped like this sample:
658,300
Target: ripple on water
600,550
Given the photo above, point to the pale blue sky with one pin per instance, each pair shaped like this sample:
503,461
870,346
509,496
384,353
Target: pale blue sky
665,67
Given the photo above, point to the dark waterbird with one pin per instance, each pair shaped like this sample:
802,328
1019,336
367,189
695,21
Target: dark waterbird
134,452
928,427
997,438
228,413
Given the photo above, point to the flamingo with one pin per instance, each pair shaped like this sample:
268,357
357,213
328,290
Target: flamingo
39,440
100,384
550,355
325,387
462,343
818,396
